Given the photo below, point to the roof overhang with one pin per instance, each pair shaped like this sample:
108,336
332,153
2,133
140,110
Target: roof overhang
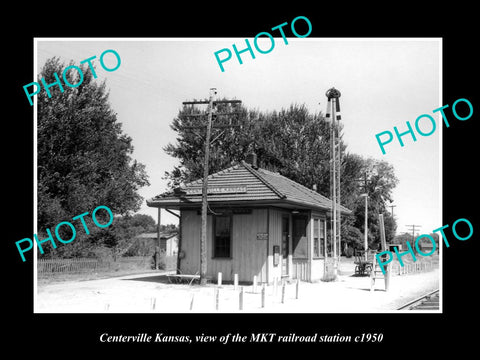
195,204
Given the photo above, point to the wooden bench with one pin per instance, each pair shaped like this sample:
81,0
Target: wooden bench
363,267
183,278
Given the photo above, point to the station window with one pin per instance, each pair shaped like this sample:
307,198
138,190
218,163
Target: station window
222,238
318,237
300,241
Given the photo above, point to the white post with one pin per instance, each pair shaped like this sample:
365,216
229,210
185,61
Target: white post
235,282
366,225
191,302
217,297
240,298
263,296
219,279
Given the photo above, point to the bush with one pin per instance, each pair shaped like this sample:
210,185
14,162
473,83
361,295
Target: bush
349,252
162,261
329,274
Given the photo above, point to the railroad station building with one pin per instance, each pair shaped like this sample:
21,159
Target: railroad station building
259,223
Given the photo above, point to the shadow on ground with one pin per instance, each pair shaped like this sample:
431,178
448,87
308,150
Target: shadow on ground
166,279
155,279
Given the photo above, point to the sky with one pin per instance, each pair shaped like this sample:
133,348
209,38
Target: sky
384,82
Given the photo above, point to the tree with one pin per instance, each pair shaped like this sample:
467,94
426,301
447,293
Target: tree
229,148
83,155
403,239
146,222
408,237
296,144
120,237
288,141
381,181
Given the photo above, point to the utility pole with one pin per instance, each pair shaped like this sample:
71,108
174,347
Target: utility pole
365,194
159,232
392,206
211,103
203,240
412,228
365,232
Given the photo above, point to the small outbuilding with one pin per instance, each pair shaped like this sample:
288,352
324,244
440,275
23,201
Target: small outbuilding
259,223
391,247
168,242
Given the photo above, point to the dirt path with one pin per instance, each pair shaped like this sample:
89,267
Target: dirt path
153,293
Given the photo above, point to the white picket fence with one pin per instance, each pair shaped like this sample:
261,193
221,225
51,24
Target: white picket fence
48,266
45,266
412,267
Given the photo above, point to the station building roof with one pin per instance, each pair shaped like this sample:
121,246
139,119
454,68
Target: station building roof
245,185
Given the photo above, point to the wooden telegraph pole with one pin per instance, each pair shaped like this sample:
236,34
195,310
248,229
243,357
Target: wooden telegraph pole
365,194
159,232
392,206
412,229
211,103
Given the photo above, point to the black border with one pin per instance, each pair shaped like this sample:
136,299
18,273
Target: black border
409,332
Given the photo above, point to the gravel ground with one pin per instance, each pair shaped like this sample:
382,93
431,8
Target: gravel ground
152,292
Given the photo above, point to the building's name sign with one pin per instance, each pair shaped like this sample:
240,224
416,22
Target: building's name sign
218,190
262,236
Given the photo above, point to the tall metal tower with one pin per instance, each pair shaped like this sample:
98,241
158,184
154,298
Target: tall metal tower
333,115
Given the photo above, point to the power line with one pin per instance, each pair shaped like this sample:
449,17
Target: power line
365,188
211,103
412,228
392,206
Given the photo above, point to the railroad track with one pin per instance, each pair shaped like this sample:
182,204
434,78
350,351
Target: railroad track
430,301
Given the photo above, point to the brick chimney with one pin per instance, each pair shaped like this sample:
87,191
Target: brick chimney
251,159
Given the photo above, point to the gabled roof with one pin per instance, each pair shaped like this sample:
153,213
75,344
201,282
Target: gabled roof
244,185
153,235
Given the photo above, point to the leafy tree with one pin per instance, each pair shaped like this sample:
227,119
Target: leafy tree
403,239
381,181
169,228
83,155
144,247
120,236
146,222
296,144
408,237
230,147
280,139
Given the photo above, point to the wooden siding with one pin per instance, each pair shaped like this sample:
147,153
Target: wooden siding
317,269
310,246
309,269
275,239
190,245
248,255
301,269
